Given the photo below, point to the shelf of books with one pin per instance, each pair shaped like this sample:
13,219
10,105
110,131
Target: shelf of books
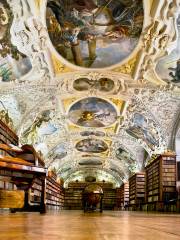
122,196
136,190
109,198
7,136
73,195
161,182
54,192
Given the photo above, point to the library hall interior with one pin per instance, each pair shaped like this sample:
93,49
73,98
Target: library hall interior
90,119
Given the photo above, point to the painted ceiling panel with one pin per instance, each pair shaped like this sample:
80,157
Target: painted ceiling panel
94,34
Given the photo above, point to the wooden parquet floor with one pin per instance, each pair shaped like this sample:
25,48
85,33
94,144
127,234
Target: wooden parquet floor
75,225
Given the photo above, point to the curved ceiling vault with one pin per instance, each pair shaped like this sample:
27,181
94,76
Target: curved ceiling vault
93,85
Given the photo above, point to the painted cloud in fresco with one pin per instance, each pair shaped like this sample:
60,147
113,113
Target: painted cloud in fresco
13,64
144,130
94,34
59,152
91,146
92,112
168,67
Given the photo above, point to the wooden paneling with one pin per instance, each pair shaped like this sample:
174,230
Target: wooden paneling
11,199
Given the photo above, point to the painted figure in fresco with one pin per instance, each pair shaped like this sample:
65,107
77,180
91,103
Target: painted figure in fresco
5,73
176,73
91,145
144,130
92,112
4,116
31,133
84,84
89,21
126,159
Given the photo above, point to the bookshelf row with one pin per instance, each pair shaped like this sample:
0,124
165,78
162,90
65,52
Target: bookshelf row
54,193
156,186
73,195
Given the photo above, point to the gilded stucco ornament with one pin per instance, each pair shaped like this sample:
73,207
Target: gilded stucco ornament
95,83
29,35
159,39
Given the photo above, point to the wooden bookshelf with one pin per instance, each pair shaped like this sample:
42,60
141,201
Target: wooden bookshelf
7,136
73,195
54,192
161,179
137,188
122,196
178,171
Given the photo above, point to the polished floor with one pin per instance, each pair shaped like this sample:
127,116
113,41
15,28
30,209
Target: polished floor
75,225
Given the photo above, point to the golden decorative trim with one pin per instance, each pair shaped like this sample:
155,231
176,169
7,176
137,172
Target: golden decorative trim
128,67
59,67
38,4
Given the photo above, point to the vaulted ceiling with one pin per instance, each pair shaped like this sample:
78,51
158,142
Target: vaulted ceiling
93,85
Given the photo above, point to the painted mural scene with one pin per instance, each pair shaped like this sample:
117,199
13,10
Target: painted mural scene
94,33
85,84
92,112
90,162
144,129
91,145
13,64
127,160
168,67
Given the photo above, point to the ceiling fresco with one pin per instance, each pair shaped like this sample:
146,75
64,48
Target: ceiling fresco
168,67
90,162
93,85
94,34
92,133
9,107
13,64
91,146
92,112
126,159
85,84
140,130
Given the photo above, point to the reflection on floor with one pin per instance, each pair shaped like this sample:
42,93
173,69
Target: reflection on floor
75,225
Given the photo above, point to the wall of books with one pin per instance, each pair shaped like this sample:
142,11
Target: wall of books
54,192
122,196
137,189
7,136
73,195
161,181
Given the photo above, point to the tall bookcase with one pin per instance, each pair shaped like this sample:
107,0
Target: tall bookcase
137,189
122,196
161,181
7,136
54,192
73,195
